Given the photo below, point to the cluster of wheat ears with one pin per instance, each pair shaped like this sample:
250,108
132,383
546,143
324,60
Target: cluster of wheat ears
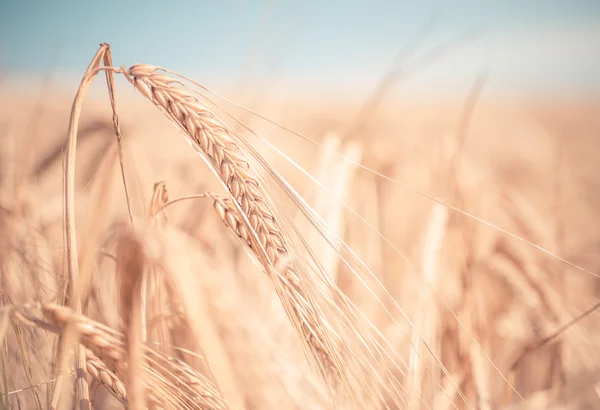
163,347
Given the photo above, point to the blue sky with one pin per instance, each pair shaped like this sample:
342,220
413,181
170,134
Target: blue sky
527,45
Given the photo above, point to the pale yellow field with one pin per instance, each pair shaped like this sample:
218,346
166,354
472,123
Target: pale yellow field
478,296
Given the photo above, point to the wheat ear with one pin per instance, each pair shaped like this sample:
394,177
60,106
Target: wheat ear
170,383
105,377
249,212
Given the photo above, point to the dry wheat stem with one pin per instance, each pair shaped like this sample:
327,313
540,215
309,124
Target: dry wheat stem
115,119
69,218
130,271
260,229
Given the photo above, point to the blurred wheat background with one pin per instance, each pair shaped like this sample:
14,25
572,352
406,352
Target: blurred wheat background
459,166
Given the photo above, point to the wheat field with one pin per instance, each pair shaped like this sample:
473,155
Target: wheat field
434,253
